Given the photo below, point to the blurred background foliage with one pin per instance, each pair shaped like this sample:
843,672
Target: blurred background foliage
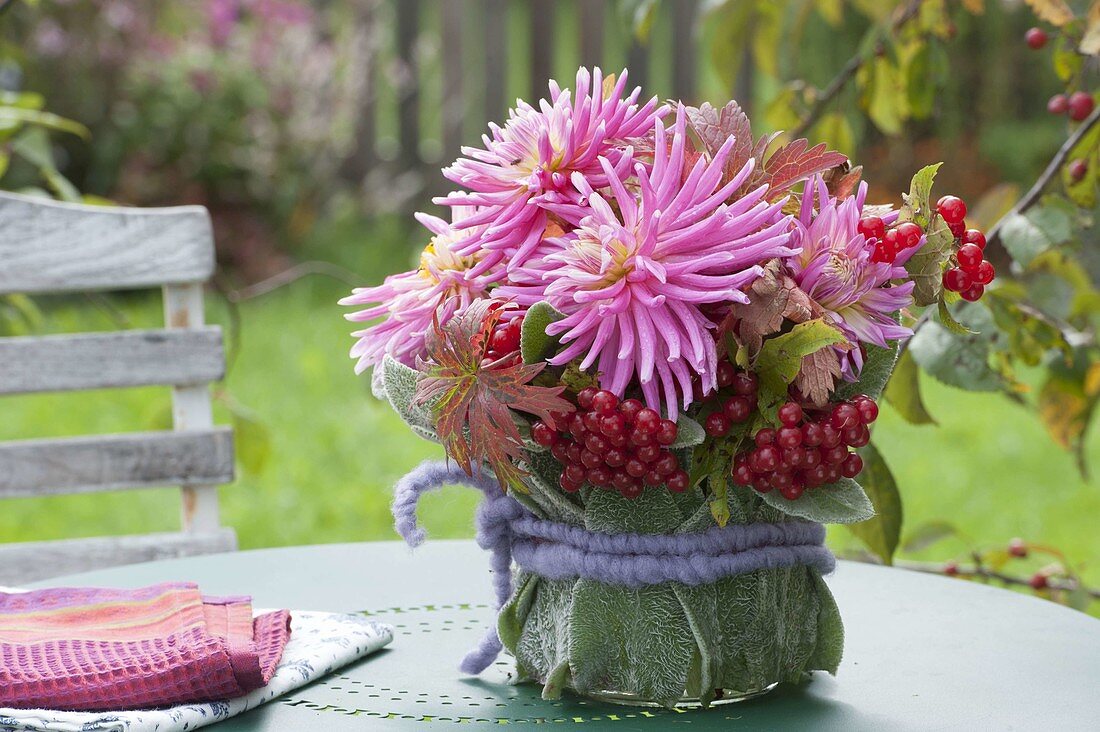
312,129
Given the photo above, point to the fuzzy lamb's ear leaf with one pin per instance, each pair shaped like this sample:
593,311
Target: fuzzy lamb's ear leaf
689,433
400,384
843,502
877,368
534,344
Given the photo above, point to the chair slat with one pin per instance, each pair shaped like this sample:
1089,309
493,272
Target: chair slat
39,560
115,462
46,246
109,360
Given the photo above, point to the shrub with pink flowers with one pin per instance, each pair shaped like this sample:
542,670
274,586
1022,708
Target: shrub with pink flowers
643,320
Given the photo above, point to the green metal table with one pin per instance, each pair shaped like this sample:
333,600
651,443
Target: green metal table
922,652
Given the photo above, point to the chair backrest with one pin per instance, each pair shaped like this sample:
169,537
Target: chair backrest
57,247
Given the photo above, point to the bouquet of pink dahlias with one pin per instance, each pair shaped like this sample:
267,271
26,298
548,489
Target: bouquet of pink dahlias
655,342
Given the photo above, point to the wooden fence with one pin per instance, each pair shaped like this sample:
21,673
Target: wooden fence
444,68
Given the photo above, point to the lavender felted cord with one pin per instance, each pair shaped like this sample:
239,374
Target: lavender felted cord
555,550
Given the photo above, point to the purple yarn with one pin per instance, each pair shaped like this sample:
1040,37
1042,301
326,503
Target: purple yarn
560,551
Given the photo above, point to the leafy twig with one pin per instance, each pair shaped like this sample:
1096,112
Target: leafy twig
981,572
1030,198
847,73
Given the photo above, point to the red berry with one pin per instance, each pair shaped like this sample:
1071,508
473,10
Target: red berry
574,473
951,208
951,569
742,475
780,481
956,280
612,424
811,457
633,491
816,475
812,434
790,414
567,485
975,237
882,253
765,459
745,383
560,451
857,436
666,432
738,408
793,492
761,483
957,228
620,440
505,339
1038,581
591,422
794,457
868,410
1017,548
678,482
597,444
667,464
788,437
576,425
635,467
985,273
909,235
648,453
543,434
615,458
640,439
851,466
647,421
573,452
872,226
604,402
725,374
1080,105
891,243
590,459
973,293
832,473
1078,169
834,455
969,256
585,395
622,481
1036,38
1058,104
629,409
830,436
844,416
717,424
600,477
765,436
652,477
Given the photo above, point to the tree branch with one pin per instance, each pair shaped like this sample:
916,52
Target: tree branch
1030,198
848,72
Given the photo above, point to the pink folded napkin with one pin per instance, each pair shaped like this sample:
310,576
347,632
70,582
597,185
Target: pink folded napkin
82,649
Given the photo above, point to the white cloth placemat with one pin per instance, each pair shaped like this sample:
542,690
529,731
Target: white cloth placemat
319,644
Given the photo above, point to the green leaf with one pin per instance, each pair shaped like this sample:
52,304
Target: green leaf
534,343
399,382
653,512
918,204
903,392
689,433
9,115
1026,236
882,531
927,534
877,367
843,502
780,357
884,95
960,360
923,72
1068,399
829,649
948,321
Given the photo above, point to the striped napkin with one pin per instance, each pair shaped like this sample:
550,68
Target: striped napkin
84,649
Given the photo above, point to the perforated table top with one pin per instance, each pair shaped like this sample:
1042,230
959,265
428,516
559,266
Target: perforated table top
922,652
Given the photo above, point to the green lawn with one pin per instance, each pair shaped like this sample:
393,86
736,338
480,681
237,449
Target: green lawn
333,452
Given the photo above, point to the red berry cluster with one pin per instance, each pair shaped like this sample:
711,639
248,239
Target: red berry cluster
739,406
1078,105
972,271
808,450
504,344
615,445
889,243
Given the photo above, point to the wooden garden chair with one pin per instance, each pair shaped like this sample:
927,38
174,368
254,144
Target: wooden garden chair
49,247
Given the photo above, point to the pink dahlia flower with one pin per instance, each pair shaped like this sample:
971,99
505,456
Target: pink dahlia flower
527,165
633,278
443,285
835,269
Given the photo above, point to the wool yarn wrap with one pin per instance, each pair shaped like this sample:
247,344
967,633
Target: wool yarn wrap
555,550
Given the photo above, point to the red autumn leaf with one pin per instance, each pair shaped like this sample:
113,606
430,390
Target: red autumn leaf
793,163
474,403
818,374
